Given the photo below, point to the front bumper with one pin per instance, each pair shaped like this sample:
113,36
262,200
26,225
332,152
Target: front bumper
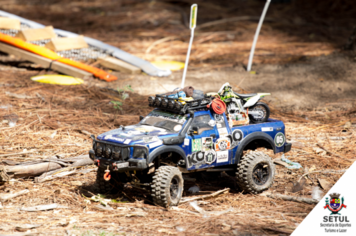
287,147
133,164
118,157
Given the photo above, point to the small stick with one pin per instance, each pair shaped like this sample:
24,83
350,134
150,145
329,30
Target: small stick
290,198
205,196
278,230
18,153
39,118
321,146
324,172
7,196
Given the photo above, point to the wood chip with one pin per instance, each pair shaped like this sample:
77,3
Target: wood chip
324,184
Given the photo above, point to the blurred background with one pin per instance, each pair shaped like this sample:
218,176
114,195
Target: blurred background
304,56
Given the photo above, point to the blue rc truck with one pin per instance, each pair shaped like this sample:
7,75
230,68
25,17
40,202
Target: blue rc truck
184,137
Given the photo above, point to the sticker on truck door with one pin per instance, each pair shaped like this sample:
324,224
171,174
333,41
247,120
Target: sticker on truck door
196,145
207,144
210,156
222,156
222,144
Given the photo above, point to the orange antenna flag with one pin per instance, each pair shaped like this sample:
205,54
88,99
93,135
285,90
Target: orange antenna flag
45,52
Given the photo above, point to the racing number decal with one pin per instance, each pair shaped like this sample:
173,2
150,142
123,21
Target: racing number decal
279,139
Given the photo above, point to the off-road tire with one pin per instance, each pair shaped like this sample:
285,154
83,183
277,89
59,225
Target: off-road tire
111,186
266,110
165,177
246,170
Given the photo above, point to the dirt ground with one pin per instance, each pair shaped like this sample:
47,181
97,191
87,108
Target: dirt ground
299,59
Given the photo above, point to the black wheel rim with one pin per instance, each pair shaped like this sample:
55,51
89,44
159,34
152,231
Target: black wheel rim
174,188
260,173
261,109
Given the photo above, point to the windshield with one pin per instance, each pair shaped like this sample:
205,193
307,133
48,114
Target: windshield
166,120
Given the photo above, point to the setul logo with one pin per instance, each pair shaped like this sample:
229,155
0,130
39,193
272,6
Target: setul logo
335,222
335,206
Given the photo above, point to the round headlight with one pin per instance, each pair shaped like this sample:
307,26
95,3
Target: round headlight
158,101
116,153
171,104
178,106
139,153
108,151
151,100
164,102
99,149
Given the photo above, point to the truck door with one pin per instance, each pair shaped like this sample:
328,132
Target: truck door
201,141
207,148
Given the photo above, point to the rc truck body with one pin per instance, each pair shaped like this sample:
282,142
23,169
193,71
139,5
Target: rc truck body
165,144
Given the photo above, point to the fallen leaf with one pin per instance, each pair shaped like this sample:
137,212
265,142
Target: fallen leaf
298,186
319,150
324,184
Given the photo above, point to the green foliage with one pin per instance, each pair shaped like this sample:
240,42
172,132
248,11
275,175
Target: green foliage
118,201
117,104
88,233
124,96
125,89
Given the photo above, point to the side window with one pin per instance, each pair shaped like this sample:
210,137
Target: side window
202,123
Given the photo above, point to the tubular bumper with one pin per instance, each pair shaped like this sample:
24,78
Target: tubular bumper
133,164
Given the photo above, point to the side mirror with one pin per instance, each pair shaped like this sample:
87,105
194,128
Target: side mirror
193,130
141,117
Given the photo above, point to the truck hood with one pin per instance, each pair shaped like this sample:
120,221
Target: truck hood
140,134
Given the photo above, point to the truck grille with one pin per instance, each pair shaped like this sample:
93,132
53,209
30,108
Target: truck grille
110,151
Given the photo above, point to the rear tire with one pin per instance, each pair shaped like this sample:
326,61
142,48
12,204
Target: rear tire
167,186
111,186
255,172
262,107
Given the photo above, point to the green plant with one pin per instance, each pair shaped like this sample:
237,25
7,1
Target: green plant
124,96
103,233
88,233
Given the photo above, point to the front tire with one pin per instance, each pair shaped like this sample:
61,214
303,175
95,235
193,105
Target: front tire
167,186
255,172
264,112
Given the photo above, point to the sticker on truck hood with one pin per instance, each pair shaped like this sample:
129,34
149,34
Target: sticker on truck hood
135,133
114,138
155,144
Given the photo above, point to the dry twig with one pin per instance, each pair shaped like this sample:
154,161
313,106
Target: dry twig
290,198
185,200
